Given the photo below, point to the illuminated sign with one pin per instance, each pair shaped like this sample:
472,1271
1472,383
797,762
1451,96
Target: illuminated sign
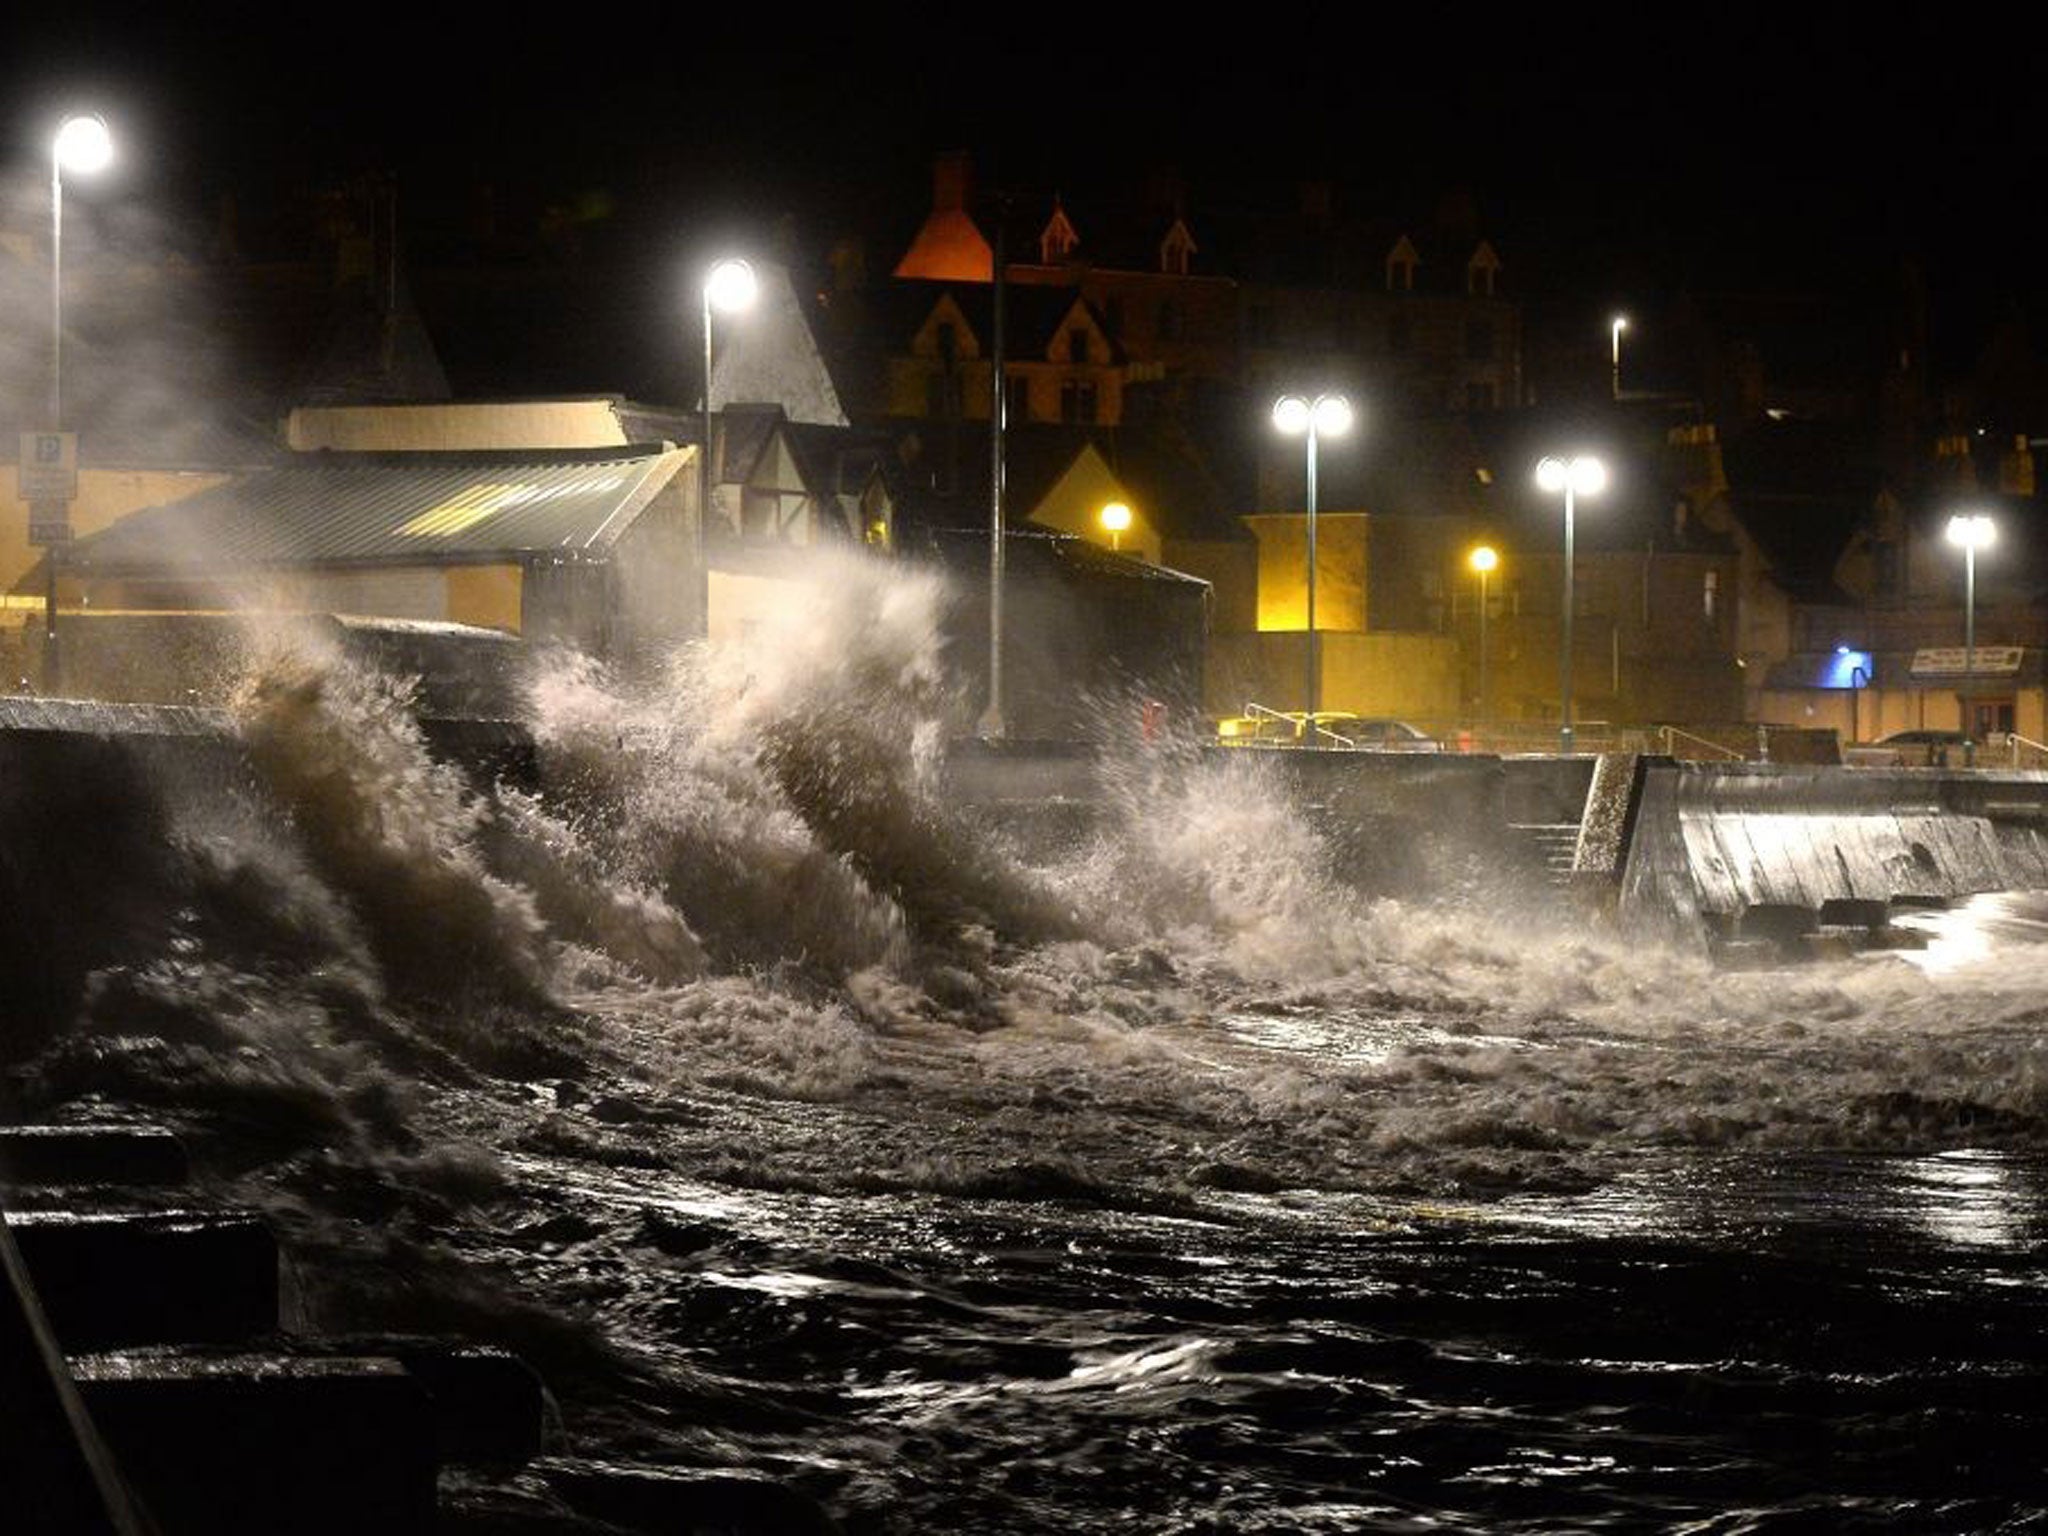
48,468
1958,661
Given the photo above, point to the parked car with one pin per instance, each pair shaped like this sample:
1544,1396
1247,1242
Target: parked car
1913,749
1385,735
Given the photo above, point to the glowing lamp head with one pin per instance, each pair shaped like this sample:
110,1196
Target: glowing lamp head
731,286
1326,415
1583,474
1620,324
83,144
1291,414
1116,517
1483,559
1972,530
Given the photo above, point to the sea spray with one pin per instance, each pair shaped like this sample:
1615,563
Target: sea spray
388,826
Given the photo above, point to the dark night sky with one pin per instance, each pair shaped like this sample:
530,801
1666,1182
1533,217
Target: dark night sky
1617,155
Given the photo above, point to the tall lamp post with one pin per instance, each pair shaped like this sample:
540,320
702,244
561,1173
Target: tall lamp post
1582,475
1484,561
1615,328
1971,531
83,146
729,287
1324,416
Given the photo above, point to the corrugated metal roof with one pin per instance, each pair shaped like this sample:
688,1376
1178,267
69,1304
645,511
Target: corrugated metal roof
392,509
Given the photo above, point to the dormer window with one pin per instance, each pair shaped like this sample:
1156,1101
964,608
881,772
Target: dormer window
1175,250
1057,240
1077,345
1402,261
1482,271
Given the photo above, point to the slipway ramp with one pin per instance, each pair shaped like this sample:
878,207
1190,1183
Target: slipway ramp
1739,852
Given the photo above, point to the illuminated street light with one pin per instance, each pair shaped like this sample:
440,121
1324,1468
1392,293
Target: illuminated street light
1580,476
84,147
1324,416
1484,561
729,287
1116,518
1616,327
1970,532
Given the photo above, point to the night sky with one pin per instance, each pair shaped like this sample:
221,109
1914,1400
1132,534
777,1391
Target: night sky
1619,157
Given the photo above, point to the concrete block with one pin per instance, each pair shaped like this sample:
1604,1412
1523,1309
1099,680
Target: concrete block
109,1279
64,1156
244,1444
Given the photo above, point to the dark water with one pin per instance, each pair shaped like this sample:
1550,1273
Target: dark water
790,1123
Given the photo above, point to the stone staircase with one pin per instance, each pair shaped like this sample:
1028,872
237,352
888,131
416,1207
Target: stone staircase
219,1420
1552,846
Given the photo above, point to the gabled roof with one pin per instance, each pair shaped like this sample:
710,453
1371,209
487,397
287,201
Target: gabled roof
1033,317
367,510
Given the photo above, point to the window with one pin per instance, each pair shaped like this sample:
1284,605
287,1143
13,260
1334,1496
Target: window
1017,397
1710,593
1479,341
1171,324
949,342
1077,345
1077,401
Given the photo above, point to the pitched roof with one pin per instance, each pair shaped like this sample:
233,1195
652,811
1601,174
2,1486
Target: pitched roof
371,509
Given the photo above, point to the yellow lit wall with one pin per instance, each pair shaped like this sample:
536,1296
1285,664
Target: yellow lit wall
104,496
487,596
590,423
1341,539
1412,676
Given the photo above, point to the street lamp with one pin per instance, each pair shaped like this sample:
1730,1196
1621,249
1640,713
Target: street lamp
1483,560
1616,327
85,147
1582,475
1971,531
729,287
1324,416
1116,517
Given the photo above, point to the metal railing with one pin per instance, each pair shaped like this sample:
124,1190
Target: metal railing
1672,735
2017,746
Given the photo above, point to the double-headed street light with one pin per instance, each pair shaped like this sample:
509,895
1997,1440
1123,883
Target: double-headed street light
1582,475
729,287
1324,416
1484,561
1970,531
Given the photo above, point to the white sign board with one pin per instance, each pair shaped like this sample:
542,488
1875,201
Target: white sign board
48,467
1957,661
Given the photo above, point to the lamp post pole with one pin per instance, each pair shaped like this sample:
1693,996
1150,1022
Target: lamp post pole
84,144
1587,474
1315,680
1483,560
1325,416
1972,531
730,285
992,726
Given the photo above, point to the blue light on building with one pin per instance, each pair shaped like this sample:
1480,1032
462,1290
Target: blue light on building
1846,669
